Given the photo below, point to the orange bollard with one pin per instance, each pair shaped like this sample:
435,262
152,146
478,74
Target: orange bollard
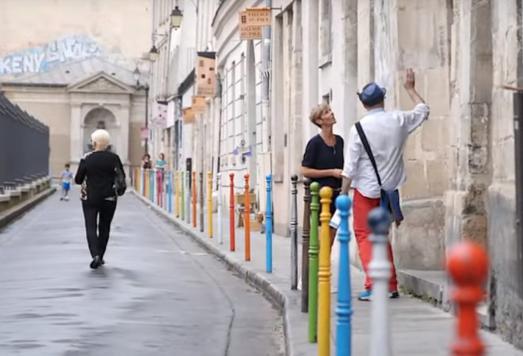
232,241
247,219
194,199
467,264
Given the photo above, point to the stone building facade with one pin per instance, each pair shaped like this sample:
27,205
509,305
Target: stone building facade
71,63
460,163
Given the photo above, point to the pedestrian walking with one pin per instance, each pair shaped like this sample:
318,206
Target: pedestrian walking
66,179
374,166
323,158
100,173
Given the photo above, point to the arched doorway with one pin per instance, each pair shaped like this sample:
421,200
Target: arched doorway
99,118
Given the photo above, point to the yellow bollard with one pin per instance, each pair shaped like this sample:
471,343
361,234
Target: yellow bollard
324,275
209,203
147,184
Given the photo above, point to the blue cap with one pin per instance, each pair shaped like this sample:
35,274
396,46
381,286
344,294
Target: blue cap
372,94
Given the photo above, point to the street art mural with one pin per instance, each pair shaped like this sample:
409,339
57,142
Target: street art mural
42,58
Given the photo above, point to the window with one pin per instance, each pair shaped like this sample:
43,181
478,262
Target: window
325,32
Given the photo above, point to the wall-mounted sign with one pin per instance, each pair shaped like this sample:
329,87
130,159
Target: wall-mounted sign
252,21
188,115
199,105
205,74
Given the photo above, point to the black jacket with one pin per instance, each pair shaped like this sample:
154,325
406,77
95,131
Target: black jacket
96,174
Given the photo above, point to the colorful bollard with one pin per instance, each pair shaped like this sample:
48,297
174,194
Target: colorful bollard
142,181
324,275
380,271
467,264
194,197
152,190
247,219
220,213
202,206
188,197
177,195
268,226
294,232
209,204
159,188
232,240
305,246
314,248
344,307
170,192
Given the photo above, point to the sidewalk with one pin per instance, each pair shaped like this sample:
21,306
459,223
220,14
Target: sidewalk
417,328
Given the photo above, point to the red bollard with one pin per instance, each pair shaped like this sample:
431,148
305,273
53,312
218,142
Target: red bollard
232,240
467,264
247,220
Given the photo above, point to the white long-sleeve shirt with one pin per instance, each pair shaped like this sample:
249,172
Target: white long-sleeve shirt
387,132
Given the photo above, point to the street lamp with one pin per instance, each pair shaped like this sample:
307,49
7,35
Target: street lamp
153,53
136,76
176,18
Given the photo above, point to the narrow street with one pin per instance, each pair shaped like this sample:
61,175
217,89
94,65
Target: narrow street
158,294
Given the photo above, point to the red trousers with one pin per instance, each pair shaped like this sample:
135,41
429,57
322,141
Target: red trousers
361,209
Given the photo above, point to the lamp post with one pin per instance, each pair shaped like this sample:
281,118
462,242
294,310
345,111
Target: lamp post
176,18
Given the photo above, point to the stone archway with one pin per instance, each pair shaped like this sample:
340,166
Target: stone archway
100,118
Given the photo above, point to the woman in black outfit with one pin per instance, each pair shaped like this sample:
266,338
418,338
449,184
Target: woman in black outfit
96,174
323,158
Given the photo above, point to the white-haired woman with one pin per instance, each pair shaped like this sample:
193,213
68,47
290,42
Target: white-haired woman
96,173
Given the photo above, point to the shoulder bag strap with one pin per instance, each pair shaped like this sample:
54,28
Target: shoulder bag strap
366,145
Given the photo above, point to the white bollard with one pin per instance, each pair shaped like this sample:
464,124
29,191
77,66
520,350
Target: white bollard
379,272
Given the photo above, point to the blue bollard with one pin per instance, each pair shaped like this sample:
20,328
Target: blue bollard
344,308
151,184
170,192
268,226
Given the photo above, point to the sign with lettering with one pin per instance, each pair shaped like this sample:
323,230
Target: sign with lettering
252,21
42,58
205,74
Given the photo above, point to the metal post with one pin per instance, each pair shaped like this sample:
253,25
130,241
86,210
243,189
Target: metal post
202,207
266,80
146,143
344,308
247,219
209,204
379,271
294,232
314,248
194,201
305,246
220,214
468,266
324,275
232,241
268,226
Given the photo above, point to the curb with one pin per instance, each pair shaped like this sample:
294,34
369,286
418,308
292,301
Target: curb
13,213
268,289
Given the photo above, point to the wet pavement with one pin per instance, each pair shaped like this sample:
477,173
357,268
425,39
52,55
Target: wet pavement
158,294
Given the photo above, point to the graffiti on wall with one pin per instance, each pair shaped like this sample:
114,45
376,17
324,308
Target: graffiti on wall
42,58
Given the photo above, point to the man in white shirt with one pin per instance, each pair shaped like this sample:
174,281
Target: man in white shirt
386,132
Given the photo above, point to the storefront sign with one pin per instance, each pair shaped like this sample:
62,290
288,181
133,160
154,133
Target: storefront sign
205,74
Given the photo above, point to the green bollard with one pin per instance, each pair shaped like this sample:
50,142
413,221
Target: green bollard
313,263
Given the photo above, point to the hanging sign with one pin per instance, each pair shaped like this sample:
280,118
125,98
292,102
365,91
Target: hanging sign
188,115
199,105
252,21
205,74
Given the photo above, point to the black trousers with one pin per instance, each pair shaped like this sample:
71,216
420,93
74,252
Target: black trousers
98,217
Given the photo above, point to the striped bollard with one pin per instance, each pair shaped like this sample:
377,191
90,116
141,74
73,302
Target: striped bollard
324,275
305,246
294,232
468,265
188,197
232,240
344,308
202,205
209,204
182,195
247,219
379,272
268,226
314,248
194,200
220,213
